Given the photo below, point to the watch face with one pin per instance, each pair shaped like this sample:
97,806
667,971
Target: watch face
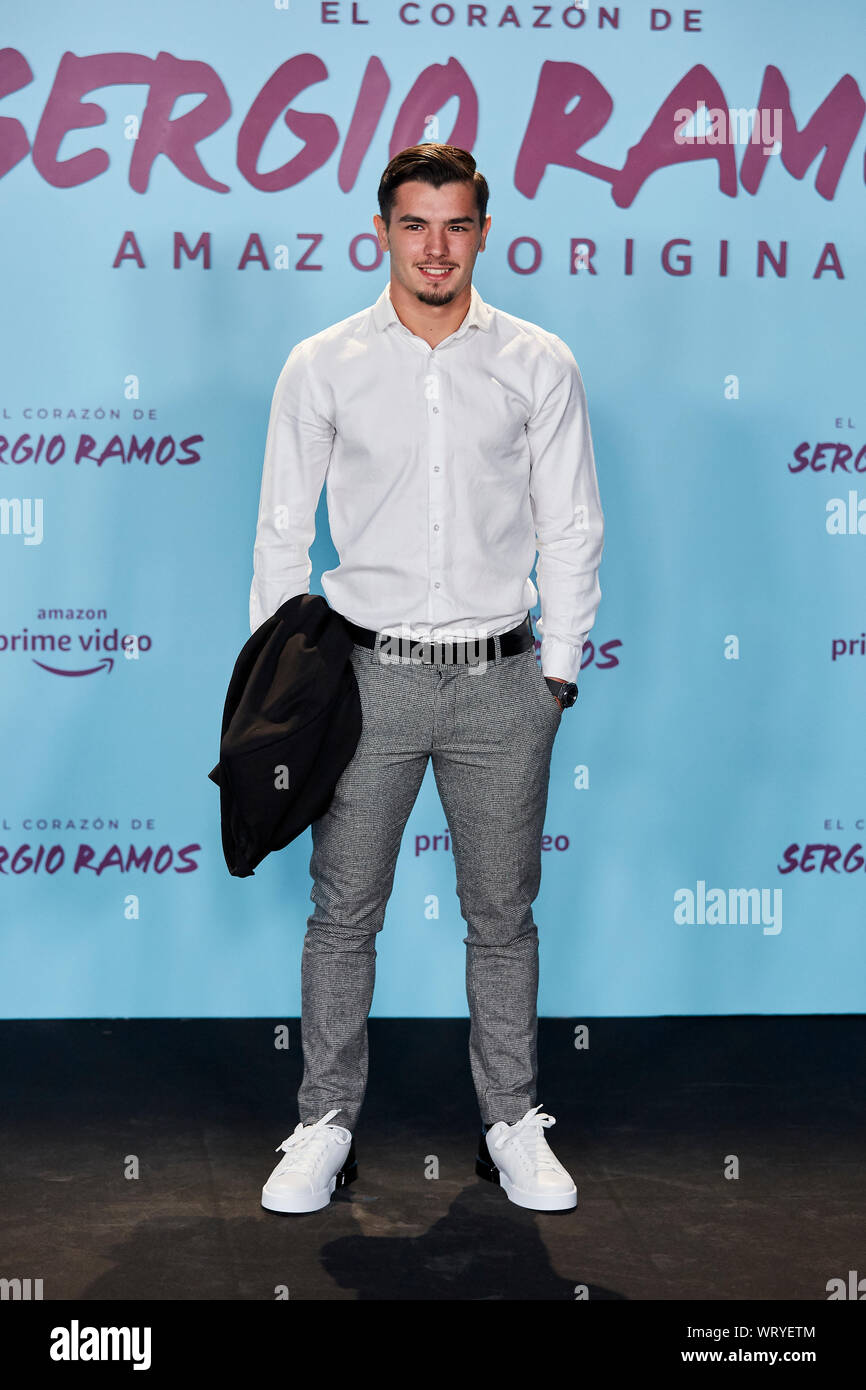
568,695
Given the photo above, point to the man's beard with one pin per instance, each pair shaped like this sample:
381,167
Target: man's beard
443,296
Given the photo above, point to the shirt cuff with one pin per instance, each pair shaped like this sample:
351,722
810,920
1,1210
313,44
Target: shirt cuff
560,660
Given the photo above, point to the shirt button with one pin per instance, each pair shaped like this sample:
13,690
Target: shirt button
437,585
435,410
435,468
436,527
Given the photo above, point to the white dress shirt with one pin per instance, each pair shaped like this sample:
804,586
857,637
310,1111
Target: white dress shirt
446,468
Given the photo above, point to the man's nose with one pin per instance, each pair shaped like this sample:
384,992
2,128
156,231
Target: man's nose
437,244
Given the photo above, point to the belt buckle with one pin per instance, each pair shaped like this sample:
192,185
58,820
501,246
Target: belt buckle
432,653
446,652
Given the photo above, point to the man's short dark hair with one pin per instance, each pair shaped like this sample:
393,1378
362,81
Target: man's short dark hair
436,165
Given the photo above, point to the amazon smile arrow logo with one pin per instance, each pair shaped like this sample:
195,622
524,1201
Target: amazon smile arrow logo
105,664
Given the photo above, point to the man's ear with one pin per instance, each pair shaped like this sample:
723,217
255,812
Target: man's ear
381,235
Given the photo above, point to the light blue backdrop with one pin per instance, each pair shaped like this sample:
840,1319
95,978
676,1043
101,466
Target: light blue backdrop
724,733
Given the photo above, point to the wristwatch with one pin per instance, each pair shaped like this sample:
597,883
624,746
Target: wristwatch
565,691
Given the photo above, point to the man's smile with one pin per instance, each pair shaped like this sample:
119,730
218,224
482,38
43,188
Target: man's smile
433,272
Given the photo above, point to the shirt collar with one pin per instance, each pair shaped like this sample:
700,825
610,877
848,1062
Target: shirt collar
478,313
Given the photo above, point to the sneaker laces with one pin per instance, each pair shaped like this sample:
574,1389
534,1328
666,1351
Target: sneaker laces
305,1142
529,1132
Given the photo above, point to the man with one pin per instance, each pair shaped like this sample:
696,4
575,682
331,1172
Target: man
454,440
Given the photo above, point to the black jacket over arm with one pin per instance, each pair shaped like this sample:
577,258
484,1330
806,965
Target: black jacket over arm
291,724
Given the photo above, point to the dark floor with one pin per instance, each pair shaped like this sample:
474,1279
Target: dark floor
646,1120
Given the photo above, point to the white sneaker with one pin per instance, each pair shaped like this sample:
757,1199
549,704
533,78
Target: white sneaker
318,1158
518,1158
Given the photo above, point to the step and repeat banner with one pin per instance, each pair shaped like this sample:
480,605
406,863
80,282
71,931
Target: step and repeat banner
187,191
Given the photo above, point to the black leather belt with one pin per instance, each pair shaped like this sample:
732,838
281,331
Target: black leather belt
444,653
